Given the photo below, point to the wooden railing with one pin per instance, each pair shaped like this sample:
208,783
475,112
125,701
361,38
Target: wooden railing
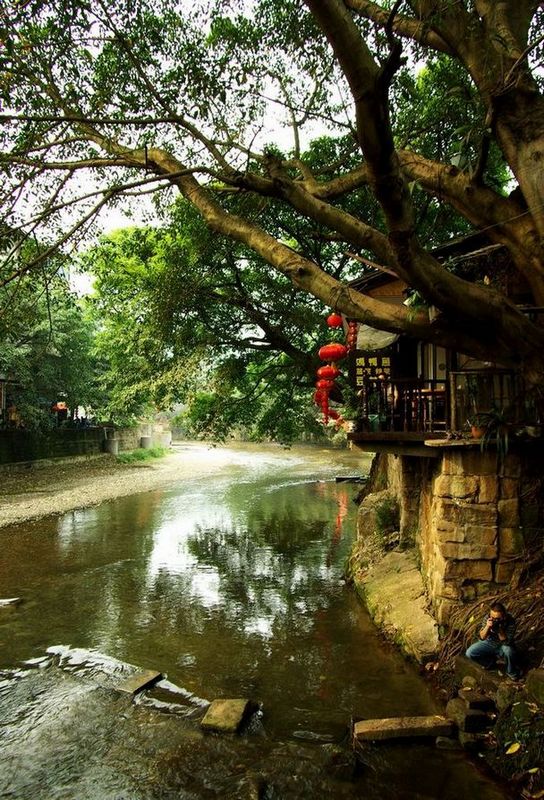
407,405
474,392
432,406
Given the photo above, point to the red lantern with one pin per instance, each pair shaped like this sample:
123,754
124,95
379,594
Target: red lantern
352,336
325,385
333,352
329,372
318,397
334,320
325,409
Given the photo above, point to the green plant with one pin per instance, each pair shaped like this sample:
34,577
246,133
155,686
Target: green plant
387,516
142,454
478,419
496,426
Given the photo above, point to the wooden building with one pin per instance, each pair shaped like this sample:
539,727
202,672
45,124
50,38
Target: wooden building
412,392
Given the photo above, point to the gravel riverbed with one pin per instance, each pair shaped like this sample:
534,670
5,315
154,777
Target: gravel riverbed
40,491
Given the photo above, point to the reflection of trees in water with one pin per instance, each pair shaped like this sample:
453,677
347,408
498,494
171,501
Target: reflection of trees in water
279,548
116,549
269,573
217,601
85,578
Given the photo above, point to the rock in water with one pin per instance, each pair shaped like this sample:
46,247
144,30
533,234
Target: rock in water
141,680
227,716
401,727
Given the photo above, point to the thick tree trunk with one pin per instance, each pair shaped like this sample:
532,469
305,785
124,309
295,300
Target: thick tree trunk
520,131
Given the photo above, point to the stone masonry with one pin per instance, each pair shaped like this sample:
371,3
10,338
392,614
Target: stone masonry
470,538
462,512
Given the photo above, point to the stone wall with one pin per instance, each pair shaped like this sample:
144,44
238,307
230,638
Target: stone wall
469,535
17,446
22,446
405,477
470,519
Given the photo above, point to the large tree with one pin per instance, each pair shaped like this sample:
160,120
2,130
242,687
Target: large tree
46,339
146,96
185,317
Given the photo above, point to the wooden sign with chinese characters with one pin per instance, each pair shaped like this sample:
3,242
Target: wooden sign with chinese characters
370,364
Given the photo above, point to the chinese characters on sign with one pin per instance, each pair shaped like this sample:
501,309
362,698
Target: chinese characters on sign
371,365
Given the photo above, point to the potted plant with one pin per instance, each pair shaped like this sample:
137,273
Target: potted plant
478,423
492,426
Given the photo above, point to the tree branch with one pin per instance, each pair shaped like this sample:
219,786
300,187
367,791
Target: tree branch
407,27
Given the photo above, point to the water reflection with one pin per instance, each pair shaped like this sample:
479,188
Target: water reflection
232,587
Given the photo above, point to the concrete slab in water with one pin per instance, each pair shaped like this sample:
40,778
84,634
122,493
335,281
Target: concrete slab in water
226,716
139,681
401,727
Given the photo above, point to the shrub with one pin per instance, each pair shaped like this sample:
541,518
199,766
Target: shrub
142,454
387,516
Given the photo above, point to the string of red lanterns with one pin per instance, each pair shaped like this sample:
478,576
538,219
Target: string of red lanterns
326,375
351,339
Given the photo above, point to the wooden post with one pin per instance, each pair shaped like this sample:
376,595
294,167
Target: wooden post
453,404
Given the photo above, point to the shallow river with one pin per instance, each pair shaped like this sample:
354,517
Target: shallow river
232,588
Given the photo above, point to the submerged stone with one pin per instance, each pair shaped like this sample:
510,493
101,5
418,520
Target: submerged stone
341,764
139,681
310,736
227,716
447,743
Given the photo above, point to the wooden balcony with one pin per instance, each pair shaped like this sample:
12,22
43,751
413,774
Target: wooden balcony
475,392
408,406
399,415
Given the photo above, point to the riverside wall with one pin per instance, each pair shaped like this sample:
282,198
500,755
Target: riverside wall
23,446
468,519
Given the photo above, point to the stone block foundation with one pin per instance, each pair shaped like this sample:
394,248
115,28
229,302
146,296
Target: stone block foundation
462,512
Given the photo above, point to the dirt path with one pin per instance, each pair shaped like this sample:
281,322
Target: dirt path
64,487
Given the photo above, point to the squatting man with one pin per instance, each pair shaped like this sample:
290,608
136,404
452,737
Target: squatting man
496,640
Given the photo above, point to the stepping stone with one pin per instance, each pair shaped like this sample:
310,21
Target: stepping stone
401,728
446,743
138,681
226,716
467,720
476,700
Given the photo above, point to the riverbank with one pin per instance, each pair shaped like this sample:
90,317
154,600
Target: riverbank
61,487
56,489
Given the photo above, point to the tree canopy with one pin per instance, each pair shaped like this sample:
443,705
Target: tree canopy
47,340
185,317
108,103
